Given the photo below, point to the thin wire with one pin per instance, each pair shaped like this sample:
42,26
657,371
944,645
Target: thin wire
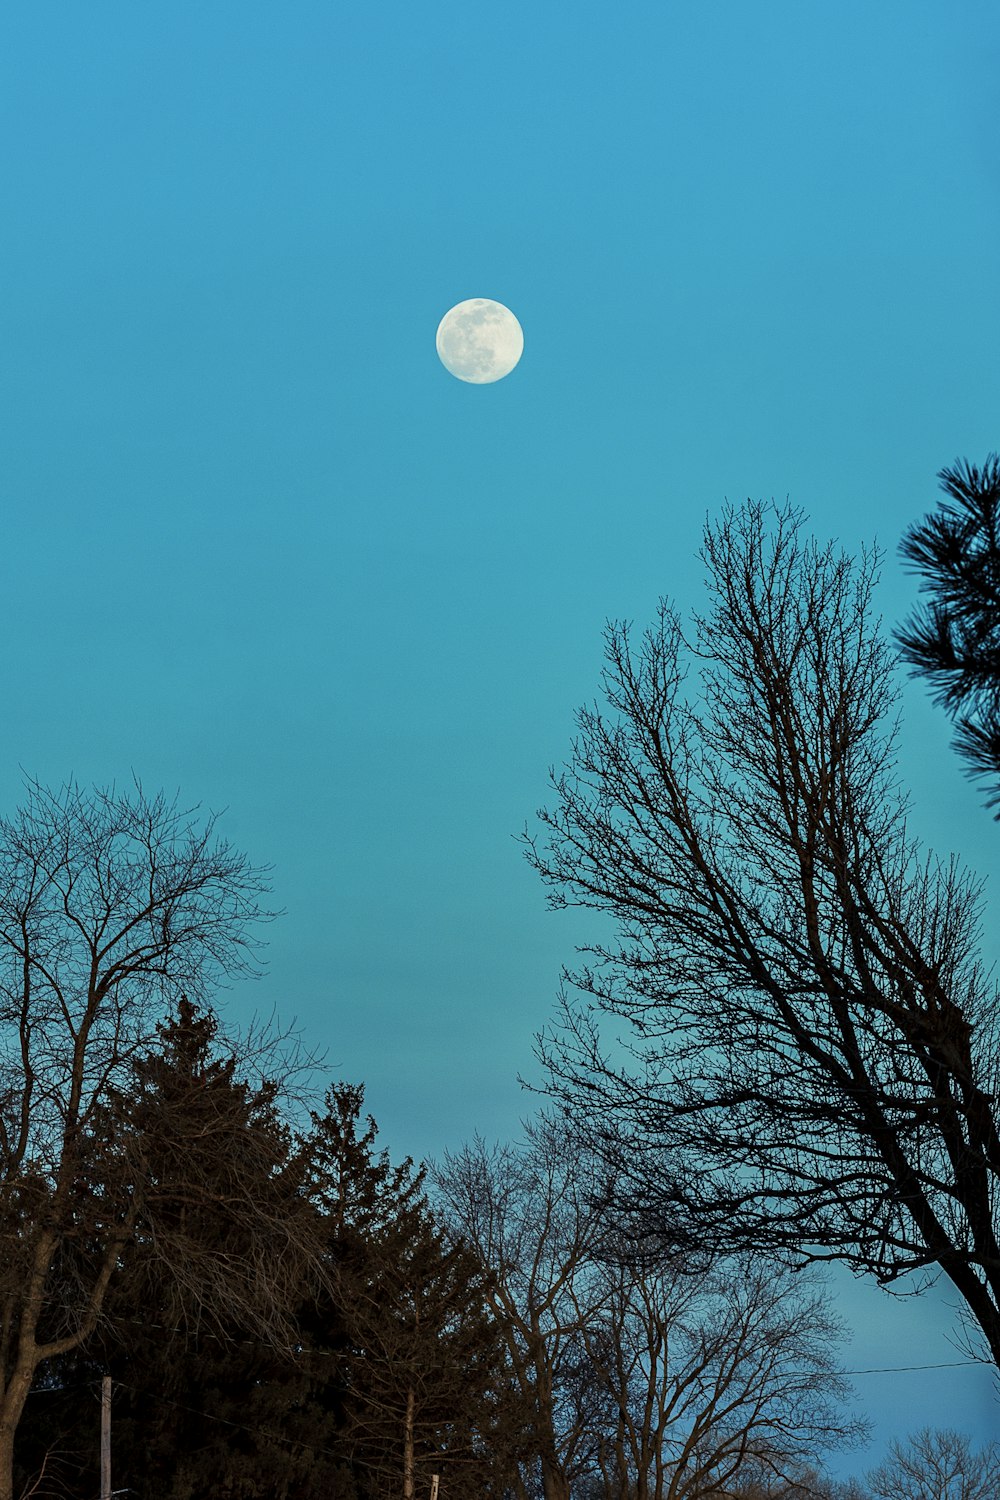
335,1354
281,1437
203,1333
950,1364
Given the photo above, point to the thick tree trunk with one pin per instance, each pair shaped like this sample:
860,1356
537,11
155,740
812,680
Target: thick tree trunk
11,1408
555,1485
26,1360
30,1353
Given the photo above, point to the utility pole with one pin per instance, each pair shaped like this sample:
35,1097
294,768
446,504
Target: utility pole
106,1438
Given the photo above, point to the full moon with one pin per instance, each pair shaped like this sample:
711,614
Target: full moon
479,341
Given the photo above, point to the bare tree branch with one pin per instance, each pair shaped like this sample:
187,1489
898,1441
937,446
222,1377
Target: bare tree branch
112,905
805,1057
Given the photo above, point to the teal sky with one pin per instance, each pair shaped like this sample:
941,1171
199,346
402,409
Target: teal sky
259,546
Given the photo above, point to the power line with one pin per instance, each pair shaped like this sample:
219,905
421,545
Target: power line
204,1333
951,1364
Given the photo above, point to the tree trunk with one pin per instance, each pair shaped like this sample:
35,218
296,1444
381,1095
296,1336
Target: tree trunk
409,1490
26,1361
555,1485
10,1414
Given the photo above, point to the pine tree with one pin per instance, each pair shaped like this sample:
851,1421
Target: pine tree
202,1405
954,640
395,1371
220,1157
425,1379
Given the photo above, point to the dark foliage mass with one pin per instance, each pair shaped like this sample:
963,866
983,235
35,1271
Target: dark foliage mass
392,1366
422,1360
278,1310
499,1341
954,639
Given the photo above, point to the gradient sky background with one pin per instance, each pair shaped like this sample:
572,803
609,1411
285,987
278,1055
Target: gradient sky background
259,546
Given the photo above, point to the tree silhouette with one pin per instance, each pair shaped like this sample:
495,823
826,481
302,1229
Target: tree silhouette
423,1376
202,1404
937,1465
954,639
110,904
639,1379
805,1056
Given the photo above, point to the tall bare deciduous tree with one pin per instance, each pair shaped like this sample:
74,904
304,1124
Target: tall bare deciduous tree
642,1380
713,1378
807,1051
111,906
530,1219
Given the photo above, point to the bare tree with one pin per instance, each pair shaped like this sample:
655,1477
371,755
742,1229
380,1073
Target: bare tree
937,1465
528,1217
808,1055
644,1381
809,1484
716,1379
111,906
